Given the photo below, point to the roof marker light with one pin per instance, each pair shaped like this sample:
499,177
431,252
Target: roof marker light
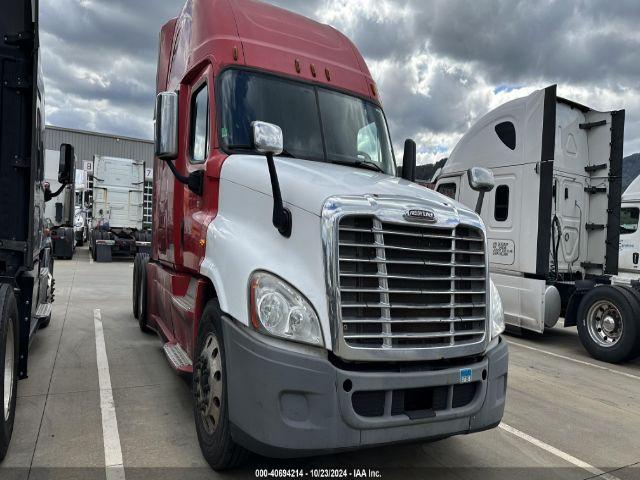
235,54
297,63
327,73
313,70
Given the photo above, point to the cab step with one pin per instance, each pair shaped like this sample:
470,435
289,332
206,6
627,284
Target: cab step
43,311
178,358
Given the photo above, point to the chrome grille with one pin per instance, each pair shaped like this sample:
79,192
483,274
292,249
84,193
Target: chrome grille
410,286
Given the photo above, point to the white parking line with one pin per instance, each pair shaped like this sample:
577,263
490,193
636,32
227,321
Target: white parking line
112,449
581,362
558,453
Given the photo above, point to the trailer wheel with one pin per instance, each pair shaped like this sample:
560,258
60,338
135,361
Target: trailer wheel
143,321
210,399
606,324
8,365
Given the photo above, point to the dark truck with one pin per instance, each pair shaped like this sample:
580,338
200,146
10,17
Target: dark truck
26,263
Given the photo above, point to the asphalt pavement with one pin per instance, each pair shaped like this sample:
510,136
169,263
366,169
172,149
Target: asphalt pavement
100,393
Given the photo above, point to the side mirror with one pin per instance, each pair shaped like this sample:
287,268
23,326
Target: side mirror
166,126
267,138
481,180
409,161
66,167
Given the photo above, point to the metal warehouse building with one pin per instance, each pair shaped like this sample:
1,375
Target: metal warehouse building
88,144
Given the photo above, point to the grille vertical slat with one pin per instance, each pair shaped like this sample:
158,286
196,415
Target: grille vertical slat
404,285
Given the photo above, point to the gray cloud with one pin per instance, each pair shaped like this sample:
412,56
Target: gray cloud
439,64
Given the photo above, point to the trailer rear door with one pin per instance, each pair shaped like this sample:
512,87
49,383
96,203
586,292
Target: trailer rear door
118,192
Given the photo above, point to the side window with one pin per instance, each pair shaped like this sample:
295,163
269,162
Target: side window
629,220
199,136
501,211
448,189
506,131
368,143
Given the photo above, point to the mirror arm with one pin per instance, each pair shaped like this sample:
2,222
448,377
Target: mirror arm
195,180
479,203
281,216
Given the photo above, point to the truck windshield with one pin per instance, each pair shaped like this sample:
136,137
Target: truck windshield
317,123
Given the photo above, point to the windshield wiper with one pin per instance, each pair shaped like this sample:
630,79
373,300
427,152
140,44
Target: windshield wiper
360,164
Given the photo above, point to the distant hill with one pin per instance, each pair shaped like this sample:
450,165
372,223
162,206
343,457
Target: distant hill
630,170
425,173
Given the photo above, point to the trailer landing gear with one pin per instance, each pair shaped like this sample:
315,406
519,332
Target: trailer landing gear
607,323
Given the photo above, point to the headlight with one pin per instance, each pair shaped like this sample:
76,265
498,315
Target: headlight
280,310
497,312
79,221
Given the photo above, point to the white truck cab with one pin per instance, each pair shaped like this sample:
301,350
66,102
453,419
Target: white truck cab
629,233
553,219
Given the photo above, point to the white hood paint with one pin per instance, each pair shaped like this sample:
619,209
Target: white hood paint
306,184
242,240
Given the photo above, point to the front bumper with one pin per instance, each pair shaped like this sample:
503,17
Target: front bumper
287,404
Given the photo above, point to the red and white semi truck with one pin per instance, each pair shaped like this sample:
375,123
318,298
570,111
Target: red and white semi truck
320,300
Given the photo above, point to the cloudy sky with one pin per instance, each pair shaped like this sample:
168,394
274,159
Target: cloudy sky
439,64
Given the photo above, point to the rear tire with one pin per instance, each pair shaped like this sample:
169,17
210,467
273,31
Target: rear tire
634,297
8,363
210,399
606,324
136,285
143,321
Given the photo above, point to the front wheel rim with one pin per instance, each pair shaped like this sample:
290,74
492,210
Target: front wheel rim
9,358
604,323
208,384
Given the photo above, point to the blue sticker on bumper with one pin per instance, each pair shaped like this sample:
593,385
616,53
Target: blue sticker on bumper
465,375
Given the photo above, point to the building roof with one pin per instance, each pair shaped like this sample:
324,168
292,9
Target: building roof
87,144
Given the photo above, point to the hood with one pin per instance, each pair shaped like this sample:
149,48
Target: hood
307,184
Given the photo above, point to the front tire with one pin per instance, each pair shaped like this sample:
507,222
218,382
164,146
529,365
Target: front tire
606,323
210,397
8,365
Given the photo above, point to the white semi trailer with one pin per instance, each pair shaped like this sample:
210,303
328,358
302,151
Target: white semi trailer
117,210
553,220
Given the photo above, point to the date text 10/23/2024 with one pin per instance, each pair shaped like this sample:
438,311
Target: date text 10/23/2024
329,473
